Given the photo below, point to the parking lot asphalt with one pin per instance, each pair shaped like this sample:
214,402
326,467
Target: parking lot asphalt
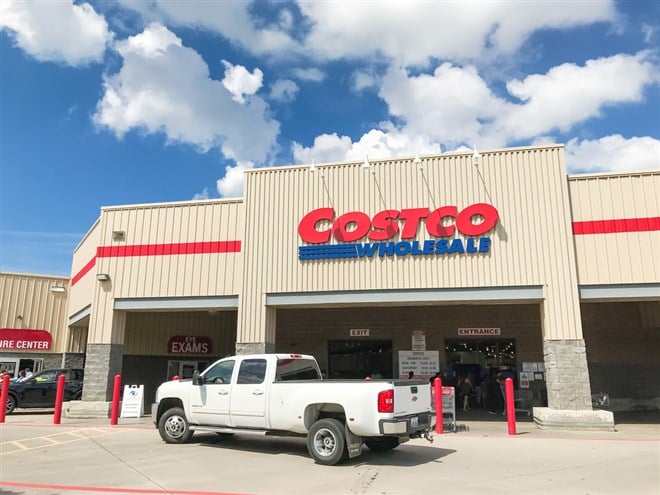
89,456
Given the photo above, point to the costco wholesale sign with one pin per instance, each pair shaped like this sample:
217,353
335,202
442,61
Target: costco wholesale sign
319,227
25,340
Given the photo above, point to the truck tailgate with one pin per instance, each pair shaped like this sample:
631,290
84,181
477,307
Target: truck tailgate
411,397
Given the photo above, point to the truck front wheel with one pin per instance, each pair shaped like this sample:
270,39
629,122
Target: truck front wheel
326,442
381,444
173,426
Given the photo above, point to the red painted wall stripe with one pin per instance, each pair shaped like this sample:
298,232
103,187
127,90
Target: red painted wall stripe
616,226
209,247
169,249
83,271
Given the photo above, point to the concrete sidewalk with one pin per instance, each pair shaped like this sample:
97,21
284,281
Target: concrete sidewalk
90,456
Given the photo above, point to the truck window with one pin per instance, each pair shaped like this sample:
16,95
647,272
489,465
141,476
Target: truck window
252,371
220,373
296,369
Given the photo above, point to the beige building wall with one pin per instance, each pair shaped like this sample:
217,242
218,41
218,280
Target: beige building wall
531,246
190,249
27,302
617,257
83,271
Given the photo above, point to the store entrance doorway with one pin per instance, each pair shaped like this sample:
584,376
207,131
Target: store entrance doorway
185,369
359,359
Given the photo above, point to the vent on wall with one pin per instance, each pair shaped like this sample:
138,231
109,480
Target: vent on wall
118,235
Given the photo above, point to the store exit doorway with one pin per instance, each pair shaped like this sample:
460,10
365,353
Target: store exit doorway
349,359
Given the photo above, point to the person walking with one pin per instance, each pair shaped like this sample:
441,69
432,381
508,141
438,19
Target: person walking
465,391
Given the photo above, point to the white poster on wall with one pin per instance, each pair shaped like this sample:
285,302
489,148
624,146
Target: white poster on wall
418,340
423,364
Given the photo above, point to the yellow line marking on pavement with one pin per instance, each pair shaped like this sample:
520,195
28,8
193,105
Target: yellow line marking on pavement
78,435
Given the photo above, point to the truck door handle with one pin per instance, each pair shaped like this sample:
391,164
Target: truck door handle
258,392
223,392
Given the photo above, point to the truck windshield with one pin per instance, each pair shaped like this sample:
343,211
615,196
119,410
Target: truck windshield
296,369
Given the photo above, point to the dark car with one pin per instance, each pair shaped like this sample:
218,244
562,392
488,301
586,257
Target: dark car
40,389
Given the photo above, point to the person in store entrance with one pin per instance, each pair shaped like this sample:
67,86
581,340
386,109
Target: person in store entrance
466,390
495,397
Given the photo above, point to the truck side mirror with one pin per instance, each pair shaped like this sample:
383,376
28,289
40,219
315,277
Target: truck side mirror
196,379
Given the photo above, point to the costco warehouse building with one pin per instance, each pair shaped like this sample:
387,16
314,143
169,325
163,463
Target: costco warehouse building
488,264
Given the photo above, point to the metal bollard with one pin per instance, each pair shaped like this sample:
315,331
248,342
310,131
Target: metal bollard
510,406
114,415
439,421
3,397
59,398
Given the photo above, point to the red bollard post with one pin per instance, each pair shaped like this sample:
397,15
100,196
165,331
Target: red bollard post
59,398
510,406
3,397
439,424
175,377
114,415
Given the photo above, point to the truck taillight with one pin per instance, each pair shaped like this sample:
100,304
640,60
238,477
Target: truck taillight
386,401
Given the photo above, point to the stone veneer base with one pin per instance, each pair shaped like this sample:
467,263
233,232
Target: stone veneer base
584,420
87,409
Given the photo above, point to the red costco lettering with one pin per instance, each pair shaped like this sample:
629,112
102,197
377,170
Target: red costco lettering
355,225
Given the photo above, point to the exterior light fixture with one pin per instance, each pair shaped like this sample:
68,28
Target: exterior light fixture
475,157
366,163
312,167
57,288
417,161
102,277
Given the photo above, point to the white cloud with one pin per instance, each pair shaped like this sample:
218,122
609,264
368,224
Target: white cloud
454,105
231,19
309,74
56,31
240,82
202,195
569,94
361,80
284,90
231,185
165,87
410,33
386,142
612,154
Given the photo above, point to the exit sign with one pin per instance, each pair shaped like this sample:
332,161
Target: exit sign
359,332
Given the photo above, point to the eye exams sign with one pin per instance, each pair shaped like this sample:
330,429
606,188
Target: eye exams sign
189,344
377,234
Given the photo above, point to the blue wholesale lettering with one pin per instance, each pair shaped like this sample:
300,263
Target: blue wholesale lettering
459,246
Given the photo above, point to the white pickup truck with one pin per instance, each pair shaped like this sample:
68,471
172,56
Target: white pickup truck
284,394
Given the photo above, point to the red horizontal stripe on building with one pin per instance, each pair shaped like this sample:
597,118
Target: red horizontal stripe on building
616,226
169,249
208,247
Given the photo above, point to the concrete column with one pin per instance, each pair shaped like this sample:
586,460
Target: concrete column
569,390
268,325
567,375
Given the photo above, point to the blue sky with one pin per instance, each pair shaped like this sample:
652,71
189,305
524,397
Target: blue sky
128,101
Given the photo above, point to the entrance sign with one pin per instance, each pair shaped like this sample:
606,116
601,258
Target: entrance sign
478,332
15,339
189,344
424,364
359,332
132,403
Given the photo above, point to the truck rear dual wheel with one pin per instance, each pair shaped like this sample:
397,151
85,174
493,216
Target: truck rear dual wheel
326,442
173,426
